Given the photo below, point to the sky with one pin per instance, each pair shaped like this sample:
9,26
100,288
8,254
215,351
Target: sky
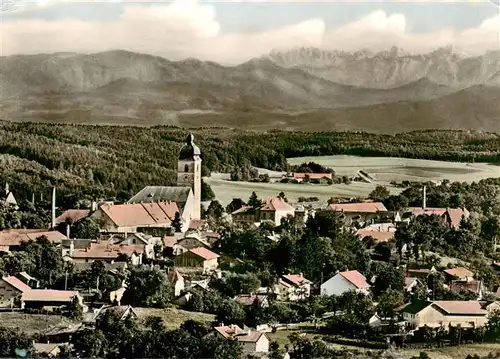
232,32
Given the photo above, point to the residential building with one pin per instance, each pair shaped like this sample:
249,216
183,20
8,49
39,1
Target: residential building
48,350
73,216
293,287
251,299
253,341
108,253
272,209
411,283
345,281
11,239
377,236
450,216
362,213
199,258
50,298
458,274
128,217
301,177
190,242
466,314
11,289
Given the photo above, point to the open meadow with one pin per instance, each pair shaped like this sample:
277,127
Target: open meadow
383,169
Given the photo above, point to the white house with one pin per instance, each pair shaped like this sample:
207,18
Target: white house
345,281
293,287
253,341
177,280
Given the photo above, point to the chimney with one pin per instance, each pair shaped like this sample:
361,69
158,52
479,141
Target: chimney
424,204
68,230
53,207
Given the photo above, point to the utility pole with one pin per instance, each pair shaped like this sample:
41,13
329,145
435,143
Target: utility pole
66,281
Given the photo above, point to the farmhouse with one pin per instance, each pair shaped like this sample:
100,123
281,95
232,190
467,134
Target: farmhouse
467,314
199,258
11,289
359,212
253,341
345,281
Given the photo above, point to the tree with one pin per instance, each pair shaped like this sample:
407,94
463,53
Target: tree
493,326
388,301
176,222
75,309
147,288
230,312
215,210
12,339
379,193
235,204
282,196
254,201
87,228
207,194
46,259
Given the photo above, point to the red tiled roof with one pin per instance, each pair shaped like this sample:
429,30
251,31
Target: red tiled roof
73,215
378,236
296,279
197,223
169,241
313,175
427,211
364,207
204,253
356,278
48,295
137,214
459,272
108,251
227,331
16,283
14,237
461,307
455,216
249,337
275,204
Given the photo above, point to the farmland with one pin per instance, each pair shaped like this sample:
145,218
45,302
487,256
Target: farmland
384,169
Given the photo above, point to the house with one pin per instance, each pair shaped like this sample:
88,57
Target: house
40,298
128,217
420,273
11,239
377,236
251,299
48,350
359,212
198,257
177,281
121,311
410,284
190,242
467,314
107,253
450,216
345,281
458,274
253,341
293,287
272,209
304,177
11,289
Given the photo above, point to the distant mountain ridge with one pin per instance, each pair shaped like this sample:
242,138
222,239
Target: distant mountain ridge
393,68
362,90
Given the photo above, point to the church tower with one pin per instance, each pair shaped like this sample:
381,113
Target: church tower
189,172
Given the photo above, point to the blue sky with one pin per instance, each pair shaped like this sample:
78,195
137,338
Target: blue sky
405,24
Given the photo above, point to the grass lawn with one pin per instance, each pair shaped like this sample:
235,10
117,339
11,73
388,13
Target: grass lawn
459,352
173,317
32,323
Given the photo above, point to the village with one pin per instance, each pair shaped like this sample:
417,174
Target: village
274,274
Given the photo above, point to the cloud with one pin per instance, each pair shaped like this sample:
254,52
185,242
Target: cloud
187,28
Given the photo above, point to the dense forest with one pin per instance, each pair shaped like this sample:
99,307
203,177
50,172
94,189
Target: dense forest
92,162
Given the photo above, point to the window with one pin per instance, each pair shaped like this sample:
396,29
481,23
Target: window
186,168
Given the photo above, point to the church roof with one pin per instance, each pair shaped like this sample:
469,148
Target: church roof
150,194
190,150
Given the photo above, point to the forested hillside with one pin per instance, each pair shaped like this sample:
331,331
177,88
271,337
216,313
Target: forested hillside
115,162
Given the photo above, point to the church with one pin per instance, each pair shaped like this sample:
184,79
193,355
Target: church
187,193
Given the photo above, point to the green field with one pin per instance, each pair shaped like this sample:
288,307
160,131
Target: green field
384,169
172,317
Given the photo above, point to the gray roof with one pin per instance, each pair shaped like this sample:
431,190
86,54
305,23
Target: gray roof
150,194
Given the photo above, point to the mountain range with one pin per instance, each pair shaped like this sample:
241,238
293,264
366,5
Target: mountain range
302,89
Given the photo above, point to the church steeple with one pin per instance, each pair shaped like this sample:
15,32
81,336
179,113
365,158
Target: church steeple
189,172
